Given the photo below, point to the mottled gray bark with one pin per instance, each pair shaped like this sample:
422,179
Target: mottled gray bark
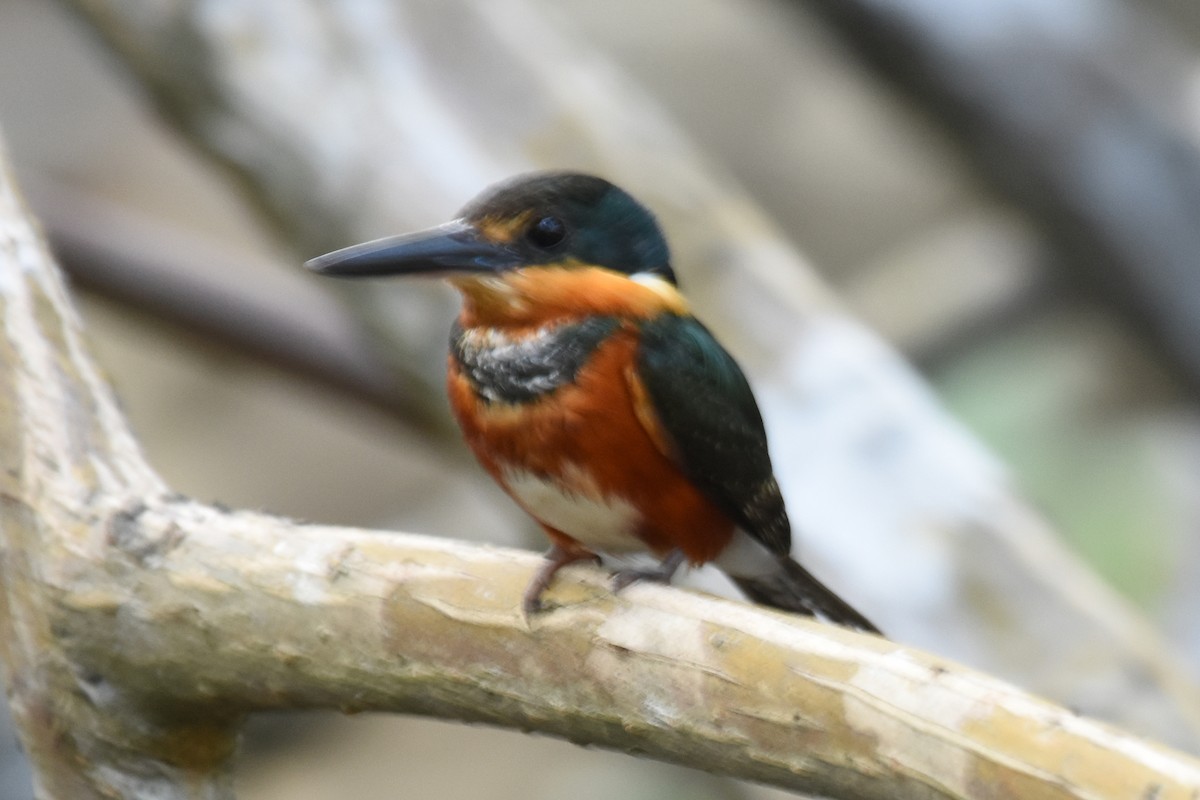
365,119
138,627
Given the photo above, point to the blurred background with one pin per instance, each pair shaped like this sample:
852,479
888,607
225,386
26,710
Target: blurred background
1009,195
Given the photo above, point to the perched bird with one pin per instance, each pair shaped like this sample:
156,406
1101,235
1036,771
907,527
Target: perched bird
590,393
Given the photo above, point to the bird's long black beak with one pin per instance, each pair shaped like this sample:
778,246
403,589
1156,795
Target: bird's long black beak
455,247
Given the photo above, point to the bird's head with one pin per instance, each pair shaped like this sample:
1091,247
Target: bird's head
554,220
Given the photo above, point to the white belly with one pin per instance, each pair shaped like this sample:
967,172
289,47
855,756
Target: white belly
579,509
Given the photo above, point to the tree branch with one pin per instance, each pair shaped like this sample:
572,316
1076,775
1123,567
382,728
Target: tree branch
362,621
184,280
137,627
1057,116
895,502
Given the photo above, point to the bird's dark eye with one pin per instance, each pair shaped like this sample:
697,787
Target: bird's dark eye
546,232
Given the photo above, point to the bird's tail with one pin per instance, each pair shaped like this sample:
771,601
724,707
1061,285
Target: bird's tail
793,588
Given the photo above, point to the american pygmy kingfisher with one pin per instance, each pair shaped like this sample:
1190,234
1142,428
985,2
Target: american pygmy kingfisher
587,389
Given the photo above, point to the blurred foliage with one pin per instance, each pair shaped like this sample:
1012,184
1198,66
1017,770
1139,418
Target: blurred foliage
1042,396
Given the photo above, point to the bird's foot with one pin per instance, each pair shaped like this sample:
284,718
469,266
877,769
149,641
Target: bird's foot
556,559
660,574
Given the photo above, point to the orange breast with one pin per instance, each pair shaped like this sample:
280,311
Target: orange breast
587,439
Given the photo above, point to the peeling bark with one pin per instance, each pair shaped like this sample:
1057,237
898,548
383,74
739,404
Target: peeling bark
138,627
422,104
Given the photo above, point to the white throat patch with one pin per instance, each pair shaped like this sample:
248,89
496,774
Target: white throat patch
656,283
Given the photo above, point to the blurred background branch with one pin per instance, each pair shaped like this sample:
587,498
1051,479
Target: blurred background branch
1095,422
1085,115
163,272
172,620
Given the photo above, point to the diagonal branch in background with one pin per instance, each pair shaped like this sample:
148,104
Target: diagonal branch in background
894,501
137,628
1078,115
179,278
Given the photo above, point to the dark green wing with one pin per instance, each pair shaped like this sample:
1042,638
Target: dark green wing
707,409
